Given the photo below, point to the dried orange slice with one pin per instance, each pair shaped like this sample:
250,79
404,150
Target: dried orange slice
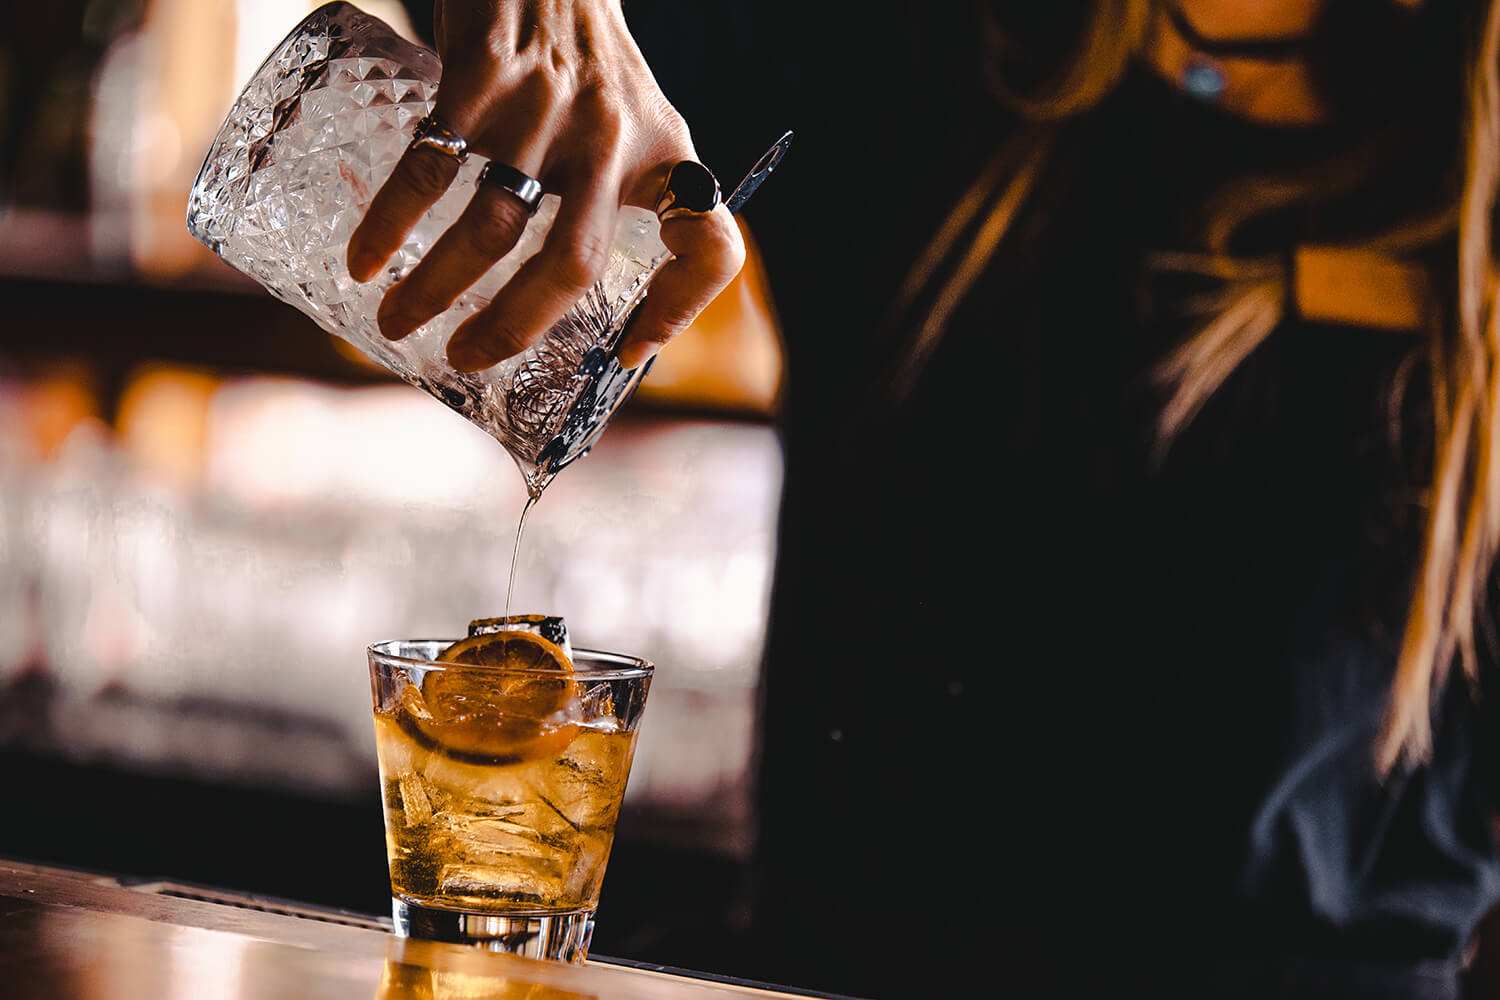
508,648
496,714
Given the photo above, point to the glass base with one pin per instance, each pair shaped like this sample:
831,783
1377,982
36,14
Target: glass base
562,935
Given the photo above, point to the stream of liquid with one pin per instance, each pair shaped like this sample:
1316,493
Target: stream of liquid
533,496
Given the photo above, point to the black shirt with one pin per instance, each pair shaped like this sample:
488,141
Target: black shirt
1044,708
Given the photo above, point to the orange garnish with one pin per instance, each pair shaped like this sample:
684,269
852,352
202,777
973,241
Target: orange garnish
500,714
509,648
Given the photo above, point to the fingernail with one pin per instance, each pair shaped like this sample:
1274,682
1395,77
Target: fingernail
396,329
634,356
363,265
467,356
393,324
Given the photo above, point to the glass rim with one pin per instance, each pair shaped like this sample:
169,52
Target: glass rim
625,666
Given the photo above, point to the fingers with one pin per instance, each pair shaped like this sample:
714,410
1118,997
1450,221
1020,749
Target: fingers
418,180
546,286
709,251
486,231
469,89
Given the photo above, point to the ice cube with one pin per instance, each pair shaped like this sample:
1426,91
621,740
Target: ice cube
596,705
506,835
534,816
486,880
396,750
509,836
486,783
582,785
588,864
550,627
414,805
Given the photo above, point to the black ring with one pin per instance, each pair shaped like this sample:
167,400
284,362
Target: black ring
690,189
524,187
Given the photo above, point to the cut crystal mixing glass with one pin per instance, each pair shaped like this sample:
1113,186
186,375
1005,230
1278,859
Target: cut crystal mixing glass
287,179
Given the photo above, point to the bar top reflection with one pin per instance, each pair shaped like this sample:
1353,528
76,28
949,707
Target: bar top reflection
68,935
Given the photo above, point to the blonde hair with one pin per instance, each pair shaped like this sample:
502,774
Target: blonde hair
1462,528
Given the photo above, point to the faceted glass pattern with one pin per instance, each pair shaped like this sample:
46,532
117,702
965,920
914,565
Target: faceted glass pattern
315,133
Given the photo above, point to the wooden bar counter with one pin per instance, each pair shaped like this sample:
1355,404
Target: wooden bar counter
70,935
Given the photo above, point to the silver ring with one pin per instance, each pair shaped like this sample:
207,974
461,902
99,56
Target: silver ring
690,189
432,133
526,188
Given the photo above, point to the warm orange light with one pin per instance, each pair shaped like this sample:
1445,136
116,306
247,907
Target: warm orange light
731,356
54,403
162,422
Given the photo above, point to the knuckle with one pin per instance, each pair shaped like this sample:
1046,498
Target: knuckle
419,300
673,319
503,341
722,247
597,103
497,45
670,127
645,343
717,250
543,91
428,171
485,243
485,340
579,263
381,226
557,60
496,225
609,128
730,252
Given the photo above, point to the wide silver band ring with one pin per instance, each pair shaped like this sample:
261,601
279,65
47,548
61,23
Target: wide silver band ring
432,133
526,188
690,189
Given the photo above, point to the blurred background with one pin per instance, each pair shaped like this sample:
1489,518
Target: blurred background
208,507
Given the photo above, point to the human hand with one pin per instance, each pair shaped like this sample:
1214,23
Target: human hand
559,91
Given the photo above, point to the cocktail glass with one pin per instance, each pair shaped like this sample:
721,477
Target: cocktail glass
501,789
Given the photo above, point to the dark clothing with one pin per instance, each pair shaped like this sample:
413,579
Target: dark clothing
1043,712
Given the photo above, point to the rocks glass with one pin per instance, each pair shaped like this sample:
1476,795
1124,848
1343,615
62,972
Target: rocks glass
501,790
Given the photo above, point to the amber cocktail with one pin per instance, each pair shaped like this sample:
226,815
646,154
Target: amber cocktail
503,763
